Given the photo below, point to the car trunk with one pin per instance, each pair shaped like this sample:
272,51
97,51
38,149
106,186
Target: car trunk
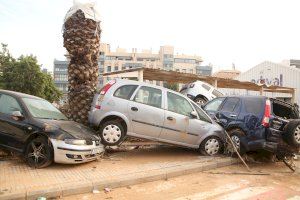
284,110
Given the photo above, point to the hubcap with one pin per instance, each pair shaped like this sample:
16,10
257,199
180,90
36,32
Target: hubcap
111,133
297,134
212,146
37,153
236,141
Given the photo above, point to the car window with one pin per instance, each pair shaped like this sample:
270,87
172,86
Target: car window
214,104
254,105
179,104
125,91
150,96
8,104
201,113
230,105
206,87
217,93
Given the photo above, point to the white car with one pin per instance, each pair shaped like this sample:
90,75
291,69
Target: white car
200,92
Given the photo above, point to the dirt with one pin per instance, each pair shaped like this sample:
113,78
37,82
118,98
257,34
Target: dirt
234,182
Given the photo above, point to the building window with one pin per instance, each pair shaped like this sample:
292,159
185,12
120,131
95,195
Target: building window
108,69
184,70
116,68
191,71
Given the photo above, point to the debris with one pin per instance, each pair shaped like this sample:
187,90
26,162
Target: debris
239,173
128,187
41,198
95,191
107,190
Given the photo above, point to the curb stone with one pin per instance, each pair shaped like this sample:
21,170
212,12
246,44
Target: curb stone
130,179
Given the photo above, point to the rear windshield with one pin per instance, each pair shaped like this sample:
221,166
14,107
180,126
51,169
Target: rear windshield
217,93
284,111
254,105
125,91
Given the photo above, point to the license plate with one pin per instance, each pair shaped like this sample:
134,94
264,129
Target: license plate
96,151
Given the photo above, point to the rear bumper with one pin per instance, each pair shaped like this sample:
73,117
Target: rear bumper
73,154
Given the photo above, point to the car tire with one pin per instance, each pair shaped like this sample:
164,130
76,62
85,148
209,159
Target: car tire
211,146
39,153
292,133
200,100
235,135
111,133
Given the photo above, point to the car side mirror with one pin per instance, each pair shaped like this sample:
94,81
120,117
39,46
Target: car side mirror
17,114
194,114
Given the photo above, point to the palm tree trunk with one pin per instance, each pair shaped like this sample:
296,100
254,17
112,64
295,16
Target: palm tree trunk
82,41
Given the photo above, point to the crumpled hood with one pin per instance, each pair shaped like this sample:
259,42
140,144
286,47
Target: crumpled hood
75,129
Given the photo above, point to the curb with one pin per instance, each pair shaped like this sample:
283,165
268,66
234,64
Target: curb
127,180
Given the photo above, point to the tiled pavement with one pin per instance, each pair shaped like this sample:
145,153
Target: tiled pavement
17,180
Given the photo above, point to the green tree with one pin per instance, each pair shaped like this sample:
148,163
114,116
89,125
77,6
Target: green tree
172,86
24,75
51,93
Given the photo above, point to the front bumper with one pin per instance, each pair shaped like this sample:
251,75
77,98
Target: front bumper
72,154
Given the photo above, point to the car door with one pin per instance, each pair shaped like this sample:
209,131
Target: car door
213,106
199,126
12,130
146,113
229,111
177,119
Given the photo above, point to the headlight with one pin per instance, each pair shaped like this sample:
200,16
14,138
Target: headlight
75,141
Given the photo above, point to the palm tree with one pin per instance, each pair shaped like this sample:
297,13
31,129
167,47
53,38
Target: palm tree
82,41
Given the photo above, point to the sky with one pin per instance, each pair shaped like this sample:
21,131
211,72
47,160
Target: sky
222,32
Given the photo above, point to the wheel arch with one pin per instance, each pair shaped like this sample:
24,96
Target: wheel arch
35,135
115,116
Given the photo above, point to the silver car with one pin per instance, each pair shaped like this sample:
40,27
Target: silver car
130,108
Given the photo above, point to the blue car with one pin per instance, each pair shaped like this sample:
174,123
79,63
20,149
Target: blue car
257,122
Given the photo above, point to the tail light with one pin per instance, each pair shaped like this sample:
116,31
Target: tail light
107,86
103,92
267,115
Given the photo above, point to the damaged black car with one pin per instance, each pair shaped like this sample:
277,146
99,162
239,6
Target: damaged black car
35,129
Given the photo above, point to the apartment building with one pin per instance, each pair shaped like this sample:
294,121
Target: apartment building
163,59
121,59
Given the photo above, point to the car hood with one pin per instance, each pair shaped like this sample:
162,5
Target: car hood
75,129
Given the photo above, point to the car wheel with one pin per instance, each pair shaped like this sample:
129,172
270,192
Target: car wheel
235,136
292,133
200,100
111,133
39,153
211,146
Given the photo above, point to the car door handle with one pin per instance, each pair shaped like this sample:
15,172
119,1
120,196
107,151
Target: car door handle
134,109
170,118
232,115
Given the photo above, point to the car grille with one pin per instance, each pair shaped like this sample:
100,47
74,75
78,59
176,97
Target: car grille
89,142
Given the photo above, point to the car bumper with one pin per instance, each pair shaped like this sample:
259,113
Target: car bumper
73,154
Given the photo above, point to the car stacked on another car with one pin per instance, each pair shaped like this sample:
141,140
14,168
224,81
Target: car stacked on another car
257,122
200,92
142,110
34,128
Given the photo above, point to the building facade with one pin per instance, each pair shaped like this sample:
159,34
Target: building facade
120,59
270,73
165,59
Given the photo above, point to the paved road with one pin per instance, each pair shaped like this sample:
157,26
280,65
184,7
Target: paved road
277,183
123,168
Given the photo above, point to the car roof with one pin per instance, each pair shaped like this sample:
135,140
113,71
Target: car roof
246,96
18,94
125,81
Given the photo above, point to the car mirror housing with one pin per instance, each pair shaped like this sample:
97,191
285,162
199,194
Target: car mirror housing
193,114
17,114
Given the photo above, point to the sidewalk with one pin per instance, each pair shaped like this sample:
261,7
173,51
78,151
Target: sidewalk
18,181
